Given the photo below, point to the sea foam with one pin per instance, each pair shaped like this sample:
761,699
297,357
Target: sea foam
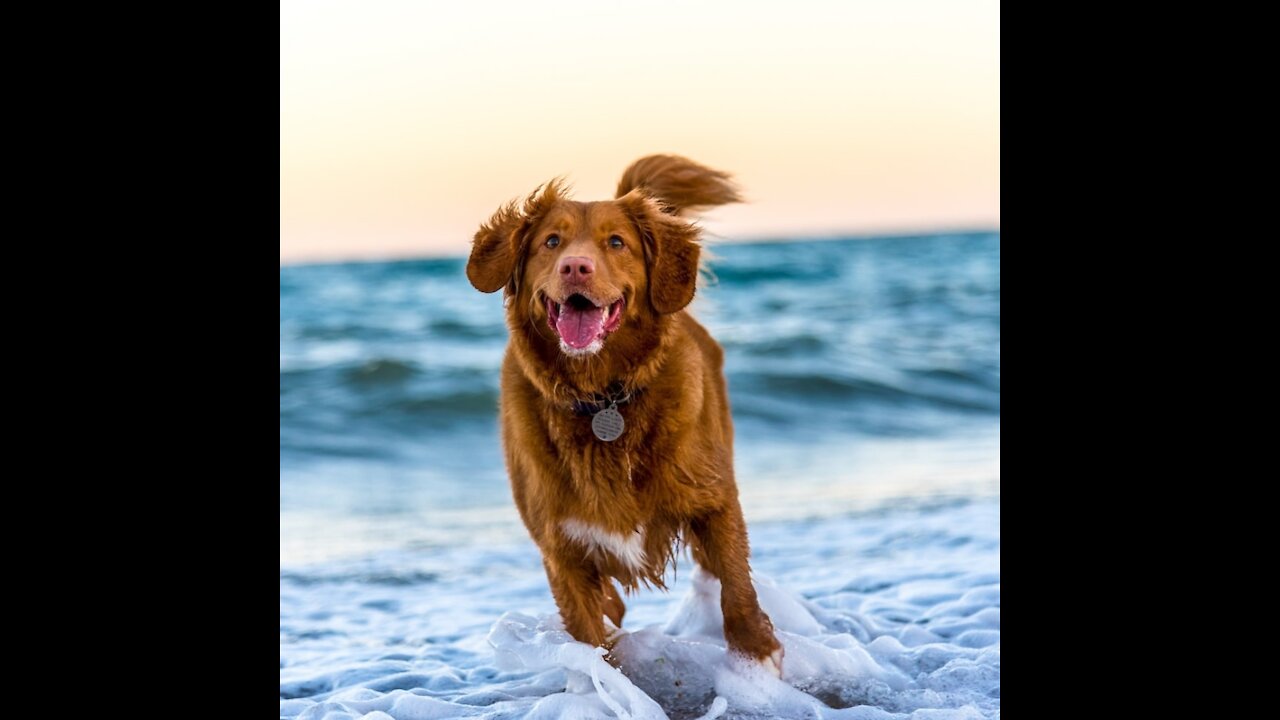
909,630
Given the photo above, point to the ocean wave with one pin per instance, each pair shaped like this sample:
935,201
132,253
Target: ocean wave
725,274
886,337
346,331
390,577
806,344
383,370
399,391
452,327
371,375
820,388
460,402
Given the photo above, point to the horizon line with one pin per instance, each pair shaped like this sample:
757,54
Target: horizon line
718,240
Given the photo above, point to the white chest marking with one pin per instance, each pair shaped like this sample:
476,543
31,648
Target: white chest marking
628,549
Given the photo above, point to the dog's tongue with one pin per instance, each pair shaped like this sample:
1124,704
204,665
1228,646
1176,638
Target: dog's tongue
580,328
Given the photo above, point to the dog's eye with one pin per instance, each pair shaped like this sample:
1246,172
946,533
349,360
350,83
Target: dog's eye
615,241
553,241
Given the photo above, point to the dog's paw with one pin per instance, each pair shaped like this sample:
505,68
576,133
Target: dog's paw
773,663
609,644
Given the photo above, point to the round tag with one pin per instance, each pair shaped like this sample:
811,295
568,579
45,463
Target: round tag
608,425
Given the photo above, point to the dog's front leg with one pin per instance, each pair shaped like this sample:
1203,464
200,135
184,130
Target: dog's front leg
579,592
720,547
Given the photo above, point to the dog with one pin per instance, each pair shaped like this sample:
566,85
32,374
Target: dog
614,409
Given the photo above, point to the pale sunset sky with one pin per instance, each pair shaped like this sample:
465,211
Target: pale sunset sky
403,125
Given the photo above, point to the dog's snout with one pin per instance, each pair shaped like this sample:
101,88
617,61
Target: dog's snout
576,268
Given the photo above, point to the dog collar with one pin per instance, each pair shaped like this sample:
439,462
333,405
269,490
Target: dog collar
612,396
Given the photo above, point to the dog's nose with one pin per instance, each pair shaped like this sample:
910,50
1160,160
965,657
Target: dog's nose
576,268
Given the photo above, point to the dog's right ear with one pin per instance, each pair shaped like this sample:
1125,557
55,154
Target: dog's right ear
500,243
495,249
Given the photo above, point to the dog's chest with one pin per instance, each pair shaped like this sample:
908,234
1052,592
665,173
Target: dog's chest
626,548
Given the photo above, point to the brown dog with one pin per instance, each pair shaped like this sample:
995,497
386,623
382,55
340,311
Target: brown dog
595,295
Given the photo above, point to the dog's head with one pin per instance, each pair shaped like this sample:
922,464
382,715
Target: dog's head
584,272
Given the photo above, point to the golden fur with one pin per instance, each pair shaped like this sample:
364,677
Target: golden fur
669,478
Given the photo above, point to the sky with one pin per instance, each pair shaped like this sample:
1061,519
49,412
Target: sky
404,125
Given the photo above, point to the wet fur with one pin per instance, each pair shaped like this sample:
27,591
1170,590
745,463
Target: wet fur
671,472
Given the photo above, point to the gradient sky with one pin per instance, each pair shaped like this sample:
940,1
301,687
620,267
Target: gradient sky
403,125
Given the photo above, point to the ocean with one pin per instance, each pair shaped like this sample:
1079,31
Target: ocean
864,378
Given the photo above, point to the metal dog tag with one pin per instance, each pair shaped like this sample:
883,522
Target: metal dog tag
608,424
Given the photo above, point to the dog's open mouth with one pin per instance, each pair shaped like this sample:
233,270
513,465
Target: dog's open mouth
581,322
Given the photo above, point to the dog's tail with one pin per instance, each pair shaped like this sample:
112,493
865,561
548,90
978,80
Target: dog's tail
681,184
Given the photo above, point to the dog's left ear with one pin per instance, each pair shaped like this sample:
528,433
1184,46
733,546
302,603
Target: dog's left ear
671,251
500,243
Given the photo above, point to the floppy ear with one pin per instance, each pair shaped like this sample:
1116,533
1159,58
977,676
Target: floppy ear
671,252
499,244
495,249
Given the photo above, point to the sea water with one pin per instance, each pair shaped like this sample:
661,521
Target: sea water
864,377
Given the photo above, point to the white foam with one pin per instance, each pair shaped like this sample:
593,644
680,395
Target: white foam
883,630
687,667
521,642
